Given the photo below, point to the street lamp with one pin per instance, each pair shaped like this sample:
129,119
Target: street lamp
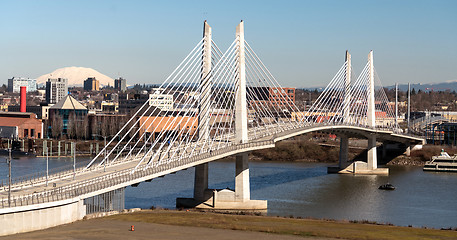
47,165
9,176
74,161
104,152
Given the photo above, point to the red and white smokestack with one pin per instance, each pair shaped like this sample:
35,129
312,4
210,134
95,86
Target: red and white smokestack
23,99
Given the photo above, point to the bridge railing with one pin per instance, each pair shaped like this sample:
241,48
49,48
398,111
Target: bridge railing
117,178
39,178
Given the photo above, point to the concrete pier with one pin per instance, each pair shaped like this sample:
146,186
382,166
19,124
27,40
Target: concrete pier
201,182
242,188
344,152
372,158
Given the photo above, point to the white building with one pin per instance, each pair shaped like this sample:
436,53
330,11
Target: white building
56,90
15,84
163,102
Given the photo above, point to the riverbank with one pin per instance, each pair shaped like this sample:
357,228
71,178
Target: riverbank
162,224
308,148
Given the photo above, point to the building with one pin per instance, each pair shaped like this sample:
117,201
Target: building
40,111
271,96
110,107
15,84
180,126
441,133
282,96
91,84
68,117
128,102
163,102
20,125
56,89
120,84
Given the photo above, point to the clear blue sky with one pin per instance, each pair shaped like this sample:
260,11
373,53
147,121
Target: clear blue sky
301,42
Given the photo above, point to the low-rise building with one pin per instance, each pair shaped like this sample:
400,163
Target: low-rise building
68,117
20,125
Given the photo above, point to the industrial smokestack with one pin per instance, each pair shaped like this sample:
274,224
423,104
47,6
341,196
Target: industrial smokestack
23,99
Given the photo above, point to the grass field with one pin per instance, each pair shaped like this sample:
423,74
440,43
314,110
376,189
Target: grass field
288,226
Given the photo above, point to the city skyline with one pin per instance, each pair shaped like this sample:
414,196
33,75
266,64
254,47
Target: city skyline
302,43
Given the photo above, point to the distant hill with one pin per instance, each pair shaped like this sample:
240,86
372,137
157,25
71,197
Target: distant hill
450,85
443,86
76,76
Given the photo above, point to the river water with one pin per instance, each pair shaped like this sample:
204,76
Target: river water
304,190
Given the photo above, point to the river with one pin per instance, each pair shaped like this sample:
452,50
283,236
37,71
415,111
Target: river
304,190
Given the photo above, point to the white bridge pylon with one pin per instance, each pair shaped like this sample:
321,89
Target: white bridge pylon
217,99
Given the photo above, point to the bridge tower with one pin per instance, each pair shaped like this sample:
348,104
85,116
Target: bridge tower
201,171
371,120
242,191
347,88
344,140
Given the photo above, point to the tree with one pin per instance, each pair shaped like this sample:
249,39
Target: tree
114,126
82,128
71,125
56,125
105,126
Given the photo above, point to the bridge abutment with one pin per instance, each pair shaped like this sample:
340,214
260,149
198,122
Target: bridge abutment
40,216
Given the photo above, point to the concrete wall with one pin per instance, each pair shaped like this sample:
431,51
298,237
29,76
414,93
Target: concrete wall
41,216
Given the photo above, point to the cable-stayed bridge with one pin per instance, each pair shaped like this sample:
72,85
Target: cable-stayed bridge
215,104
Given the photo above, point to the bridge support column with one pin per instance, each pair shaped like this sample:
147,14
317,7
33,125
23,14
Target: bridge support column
242,188
372,158
344,152
201,182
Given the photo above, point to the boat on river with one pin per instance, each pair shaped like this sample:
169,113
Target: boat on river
387,186
442,163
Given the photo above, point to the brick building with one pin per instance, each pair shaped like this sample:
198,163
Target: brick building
20,125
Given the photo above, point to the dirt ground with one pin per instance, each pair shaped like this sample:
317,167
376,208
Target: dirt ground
103,228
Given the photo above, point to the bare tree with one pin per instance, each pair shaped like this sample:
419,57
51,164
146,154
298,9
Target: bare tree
71,125
56,125
94,126
104,127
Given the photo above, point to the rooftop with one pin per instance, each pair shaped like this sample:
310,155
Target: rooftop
68,102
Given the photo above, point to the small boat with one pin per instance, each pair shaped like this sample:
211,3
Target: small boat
442,163
387,186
